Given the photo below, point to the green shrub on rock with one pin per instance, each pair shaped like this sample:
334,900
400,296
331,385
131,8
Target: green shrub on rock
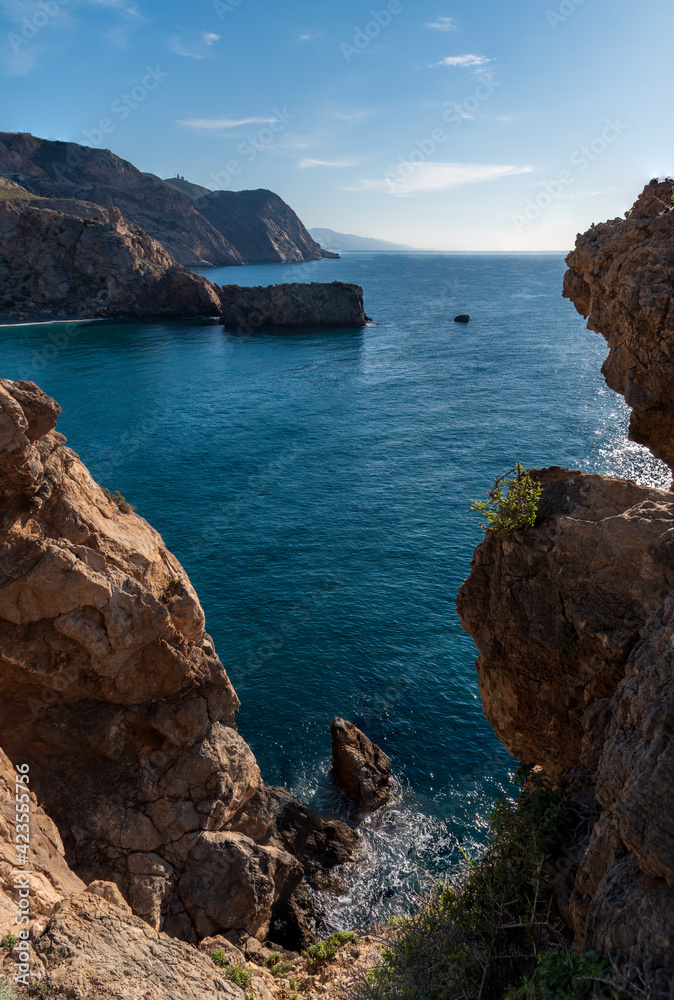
511,504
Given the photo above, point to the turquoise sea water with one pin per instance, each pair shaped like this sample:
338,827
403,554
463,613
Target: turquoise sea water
314,485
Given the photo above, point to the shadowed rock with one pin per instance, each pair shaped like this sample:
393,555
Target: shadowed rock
293,305
359,767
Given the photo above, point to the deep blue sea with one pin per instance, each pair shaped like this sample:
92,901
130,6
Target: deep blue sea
315,487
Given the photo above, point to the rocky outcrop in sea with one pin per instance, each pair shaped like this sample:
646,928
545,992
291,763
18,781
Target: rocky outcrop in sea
333,304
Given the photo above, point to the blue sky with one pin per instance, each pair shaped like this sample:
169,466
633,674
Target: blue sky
467,125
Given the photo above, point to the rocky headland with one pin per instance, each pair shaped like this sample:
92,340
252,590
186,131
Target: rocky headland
574,618
197,227
262,227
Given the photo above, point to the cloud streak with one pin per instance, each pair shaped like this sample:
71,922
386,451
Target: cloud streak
427,178
193,47
442,24
309,163
221,124
462,61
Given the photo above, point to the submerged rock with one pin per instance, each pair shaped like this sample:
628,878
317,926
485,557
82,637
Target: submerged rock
293,305
359,767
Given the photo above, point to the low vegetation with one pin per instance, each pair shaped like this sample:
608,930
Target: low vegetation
497,934
511,504
323,952
8,942
119,500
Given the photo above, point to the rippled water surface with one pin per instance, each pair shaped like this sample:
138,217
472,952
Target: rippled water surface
314,486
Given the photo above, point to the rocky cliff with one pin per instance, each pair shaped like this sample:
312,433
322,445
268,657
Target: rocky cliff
54,264
262,227
574,618
197,227
333,304
620,278
66,170
115,699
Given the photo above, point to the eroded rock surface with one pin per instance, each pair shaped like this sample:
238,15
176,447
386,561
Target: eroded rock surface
115,697
60,265
293,305
359,767
555,610
621,277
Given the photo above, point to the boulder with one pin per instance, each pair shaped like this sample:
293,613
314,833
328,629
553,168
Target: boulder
359,767
293,305
463,318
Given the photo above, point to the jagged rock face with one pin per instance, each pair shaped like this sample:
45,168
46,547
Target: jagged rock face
359,767
66,170
334,304
555,610
624,888
113,694
89,268
51,879
621,278
262,227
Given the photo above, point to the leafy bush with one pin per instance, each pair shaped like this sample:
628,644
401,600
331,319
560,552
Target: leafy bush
324,951
8,942
239,975
480,937
511,504
119,500
277,965
220,958
563,974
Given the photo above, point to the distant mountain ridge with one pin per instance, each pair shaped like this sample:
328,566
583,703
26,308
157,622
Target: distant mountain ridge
246,226
330,240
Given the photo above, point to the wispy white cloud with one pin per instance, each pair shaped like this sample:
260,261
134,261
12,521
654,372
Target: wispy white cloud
463,61
310,163
432,177
443,24
193,46
221,124
355,115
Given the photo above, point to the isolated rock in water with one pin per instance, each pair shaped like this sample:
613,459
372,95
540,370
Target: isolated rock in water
65,265
293,305
620,277
463,318
359,767
114,696
555,610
